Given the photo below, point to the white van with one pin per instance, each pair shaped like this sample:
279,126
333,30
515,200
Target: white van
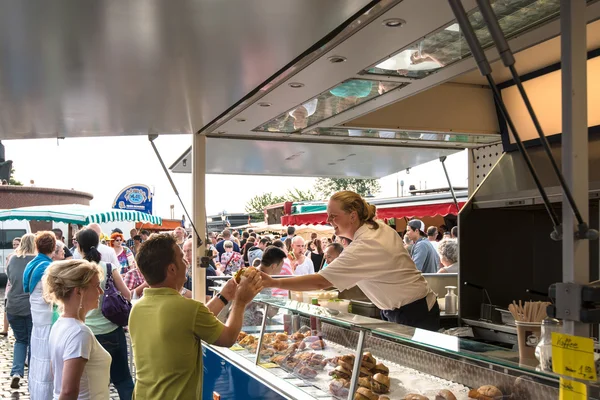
8,231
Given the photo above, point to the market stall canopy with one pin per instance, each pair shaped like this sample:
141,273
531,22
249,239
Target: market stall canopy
314,213
76,214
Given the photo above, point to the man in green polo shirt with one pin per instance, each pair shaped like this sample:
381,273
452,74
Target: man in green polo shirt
167,329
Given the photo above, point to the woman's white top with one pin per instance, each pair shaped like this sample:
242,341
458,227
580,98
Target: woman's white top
377,262
69,339
41,312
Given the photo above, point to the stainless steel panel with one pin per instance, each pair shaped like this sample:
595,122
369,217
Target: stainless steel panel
286,158
510,180
95,68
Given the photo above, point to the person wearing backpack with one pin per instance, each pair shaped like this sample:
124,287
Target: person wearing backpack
109,334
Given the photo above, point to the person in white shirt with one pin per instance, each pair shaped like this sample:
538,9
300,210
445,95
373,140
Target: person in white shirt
301,265
108,253
376,262
432,233
80,364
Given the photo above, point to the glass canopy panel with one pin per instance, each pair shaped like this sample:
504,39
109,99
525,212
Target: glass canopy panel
408,135
332,102
448,45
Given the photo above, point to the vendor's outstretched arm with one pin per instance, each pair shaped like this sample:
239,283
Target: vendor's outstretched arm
298,283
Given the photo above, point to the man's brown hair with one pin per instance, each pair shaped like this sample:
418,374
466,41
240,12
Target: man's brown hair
154,256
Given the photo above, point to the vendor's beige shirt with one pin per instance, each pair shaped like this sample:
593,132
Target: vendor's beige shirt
378,264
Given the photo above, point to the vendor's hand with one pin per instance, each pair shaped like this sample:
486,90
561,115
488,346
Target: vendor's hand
229,289
250,286
267,281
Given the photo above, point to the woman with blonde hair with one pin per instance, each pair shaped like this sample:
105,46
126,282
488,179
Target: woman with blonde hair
110,336
375,261
40,371
81,365
18,309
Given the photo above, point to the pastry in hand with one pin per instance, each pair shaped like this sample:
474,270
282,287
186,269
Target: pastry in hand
486,392
445,394
381,383
381,369
365,394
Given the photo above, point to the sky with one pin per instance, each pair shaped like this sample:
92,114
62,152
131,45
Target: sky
104,166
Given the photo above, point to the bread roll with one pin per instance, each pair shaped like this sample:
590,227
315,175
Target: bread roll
415,397
486,392
445,395
365,394
381,383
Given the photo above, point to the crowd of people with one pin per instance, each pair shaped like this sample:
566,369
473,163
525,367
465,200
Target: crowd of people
74,349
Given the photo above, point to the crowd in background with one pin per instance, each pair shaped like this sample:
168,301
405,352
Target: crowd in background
54,307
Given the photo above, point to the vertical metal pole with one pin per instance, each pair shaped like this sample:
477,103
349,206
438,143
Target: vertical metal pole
199,214
357,363
262,333
442,160
574,144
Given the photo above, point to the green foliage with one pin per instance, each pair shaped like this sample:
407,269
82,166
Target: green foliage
364,187
13,181
258,203
297,195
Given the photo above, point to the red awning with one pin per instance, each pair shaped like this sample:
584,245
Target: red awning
412,211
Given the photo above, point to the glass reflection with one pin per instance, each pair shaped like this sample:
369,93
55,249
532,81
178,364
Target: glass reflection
332,102
447,45
408,135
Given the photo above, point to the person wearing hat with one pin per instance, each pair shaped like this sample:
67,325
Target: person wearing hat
375,260
423,253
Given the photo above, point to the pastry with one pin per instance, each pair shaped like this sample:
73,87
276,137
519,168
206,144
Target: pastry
384,398
381,369
365,372
243,273
346,365
364,382
297,336
339,387
415,397
445,394
241,335
365,394
306,372
278,359
282,337
341,372
247,340
318,345
381,383
349,358
280,346
368,360
486,392
305,356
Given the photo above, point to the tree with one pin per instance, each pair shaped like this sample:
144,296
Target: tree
297,195
364,187
256,205
12,180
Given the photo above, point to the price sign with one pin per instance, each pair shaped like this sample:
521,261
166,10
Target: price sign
571,390
236,347
573,356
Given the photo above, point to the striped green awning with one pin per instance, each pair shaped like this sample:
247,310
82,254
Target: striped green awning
76,214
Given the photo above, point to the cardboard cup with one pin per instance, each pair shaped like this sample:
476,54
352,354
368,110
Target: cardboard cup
528,336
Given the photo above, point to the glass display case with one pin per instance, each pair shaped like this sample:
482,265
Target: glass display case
314,350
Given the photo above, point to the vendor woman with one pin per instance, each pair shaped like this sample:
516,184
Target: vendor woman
376,262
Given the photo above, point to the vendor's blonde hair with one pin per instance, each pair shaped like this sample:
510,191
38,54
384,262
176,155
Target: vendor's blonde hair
351,201
63,277
26,246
